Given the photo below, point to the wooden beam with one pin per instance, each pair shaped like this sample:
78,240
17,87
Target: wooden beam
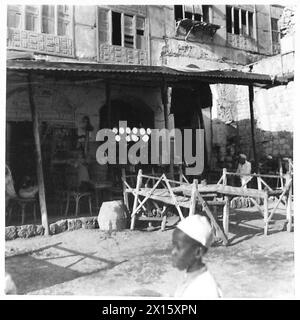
39,163
226,209
266,213
193,197
135,203
251,97
289,202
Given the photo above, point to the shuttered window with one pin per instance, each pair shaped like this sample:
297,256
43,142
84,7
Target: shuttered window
103,24
41,19
14,16
193,12
121,29
140,33
48,19
128,31
275,30
239,21
63,21
32,18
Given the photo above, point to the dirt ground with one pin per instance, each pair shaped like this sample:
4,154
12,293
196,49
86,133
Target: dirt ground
138,263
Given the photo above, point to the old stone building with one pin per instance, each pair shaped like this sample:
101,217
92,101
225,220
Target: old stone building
48,40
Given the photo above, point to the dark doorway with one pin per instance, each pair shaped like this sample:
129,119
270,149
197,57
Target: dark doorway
20,150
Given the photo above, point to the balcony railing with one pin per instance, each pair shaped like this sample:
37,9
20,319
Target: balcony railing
39,42
241,42
117,54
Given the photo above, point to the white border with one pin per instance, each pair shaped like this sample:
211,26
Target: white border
3,17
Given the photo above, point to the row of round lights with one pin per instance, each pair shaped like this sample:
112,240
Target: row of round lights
134,130
132,134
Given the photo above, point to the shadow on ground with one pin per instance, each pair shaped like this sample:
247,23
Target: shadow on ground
31,273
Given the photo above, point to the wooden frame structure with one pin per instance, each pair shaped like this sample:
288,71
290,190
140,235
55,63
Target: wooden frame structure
183,194
178,193
283,194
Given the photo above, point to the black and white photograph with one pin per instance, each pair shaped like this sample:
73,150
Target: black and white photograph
149,150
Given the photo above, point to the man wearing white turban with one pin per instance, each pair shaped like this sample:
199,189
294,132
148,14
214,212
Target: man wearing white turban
191,240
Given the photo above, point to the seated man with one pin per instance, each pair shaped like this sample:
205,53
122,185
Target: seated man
191,240
244,168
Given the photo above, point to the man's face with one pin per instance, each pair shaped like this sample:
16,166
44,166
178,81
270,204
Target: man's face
184,251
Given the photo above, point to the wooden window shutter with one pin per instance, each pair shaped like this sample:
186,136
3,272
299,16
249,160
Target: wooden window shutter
128,31
31,18
63,20
188,8
140,33
103,24
14,16
48,19
198,9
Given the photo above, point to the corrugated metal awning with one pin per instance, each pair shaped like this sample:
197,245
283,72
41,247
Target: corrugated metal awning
146,73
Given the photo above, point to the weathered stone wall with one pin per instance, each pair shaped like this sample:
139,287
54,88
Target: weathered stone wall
31,230
273,112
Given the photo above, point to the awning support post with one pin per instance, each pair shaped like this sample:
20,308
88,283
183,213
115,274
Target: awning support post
166,96
39,163
251,98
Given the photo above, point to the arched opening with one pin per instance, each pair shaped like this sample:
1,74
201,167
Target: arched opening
137,114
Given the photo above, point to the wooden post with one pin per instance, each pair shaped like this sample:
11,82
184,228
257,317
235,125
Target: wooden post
251,97
173,197
166,96
193,197
226,216
266,213
224,176
259,183
125,194
210,216
289,204
281,174
164,219
39,164
135,203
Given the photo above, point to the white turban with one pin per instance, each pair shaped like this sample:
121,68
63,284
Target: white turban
243,156
198,228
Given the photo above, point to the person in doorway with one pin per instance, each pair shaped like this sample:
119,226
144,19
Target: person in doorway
244,168
191,240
